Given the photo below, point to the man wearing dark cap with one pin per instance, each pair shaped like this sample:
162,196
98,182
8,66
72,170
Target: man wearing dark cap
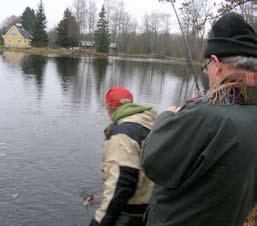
203,157
126,189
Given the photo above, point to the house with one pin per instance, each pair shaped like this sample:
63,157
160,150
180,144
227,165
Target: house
16,37
113,47
92,45
87,44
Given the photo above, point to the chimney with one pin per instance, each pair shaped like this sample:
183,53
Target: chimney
19,25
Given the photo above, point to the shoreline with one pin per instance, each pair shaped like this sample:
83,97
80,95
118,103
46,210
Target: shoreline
89,53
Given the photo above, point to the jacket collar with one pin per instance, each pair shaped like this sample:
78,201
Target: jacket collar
128,110
236,88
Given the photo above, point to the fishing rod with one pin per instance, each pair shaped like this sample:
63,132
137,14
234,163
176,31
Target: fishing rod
186,44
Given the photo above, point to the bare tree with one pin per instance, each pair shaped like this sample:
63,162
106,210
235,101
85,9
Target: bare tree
147,34
127,33
155,24
80,14
116,18
229,5
11,20
247,8
109,6
91,18
195,15
122,27
164,35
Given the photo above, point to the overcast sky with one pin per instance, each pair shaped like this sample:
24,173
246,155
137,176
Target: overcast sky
54,9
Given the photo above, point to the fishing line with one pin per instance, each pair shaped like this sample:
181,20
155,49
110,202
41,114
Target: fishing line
186,44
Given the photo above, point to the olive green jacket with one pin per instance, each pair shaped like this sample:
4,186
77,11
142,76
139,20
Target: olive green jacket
204,162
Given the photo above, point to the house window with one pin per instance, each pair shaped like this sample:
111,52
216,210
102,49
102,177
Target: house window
13,34
10,40
19,40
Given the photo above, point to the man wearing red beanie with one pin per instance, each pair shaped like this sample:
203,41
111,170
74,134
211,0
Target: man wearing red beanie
203,157
126,189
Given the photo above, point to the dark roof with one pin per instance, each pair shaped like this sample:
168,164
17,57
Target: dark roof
5,29
23,32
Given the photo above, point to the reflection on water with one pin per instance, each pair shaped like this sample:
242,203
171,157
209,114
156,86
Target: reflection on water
51,123
158,82
13,57
34,66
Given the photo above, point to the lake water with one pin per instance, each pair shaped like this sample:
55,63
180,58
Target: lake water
51,123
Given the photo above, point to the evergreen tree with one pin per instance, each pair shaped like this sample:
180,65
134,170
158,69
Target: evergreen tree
68,30
102,33
38,32
27,18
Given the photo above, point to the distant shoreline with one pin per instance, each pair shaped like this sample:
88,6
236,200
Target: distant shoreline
90,53
82,52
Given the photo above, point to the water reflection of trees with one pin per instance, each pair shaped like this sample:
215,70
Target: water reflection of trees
33,67
171,82
99,68
67,69
89,83
82,77
153,79
87,79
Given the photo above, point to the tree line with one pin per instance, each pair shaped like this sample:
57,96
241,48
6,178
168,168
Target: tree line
114,25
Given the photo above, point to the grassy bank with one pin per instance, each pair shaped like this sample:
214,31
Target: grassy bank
82,52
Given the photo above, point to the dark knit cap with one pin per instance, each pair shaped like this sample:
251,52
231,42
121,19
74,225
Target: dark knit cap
231,35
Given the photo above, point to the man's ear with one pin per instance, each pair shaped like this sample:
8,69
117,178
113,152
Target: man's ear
217,64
